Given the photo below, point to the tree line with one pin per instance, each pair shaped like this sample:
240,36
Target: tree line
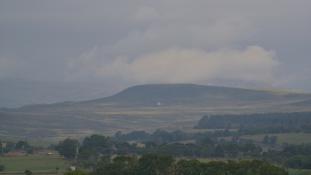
259,123
93,148
156,164
7,146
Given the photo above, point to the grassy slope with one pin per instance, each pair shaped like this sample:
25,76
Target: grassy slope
182,105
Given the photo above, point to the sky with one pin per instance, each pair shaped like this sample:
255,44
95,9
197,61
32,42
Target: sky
113,44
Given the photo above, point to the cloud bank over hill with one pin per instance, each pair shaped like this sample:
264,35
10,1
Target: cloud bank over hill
253,64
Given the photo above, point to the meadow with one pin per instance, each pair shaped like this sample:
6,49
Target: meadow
38,164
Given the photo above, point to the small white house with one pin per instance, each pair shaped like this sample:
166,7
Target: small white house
72,168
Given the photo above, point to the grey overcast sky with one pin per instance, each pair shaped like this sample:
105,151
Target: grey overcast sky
248,43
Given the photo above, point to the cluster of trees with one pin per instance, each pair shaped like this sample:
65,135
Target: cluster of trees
95,146
297,156
6,147
269,140
259,123
292,156
206,148
156,164
161,136
68,148
299,162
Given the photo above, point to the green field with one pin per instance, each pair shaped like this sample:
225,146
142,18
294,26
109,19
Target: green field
290,138
35,163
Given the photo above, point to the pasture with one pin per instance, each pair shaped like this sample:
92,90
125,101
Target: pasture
38,164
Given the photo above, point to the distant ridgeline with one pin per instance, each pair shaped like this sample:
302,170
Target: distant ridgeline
259,123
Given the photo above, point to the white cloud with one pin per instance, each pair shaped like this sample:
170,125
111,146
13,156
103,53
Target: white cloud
131,34
253,64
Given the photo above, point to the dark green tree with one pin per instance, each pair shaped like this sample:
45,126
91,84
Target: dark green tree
28,172
153,164
23,145
121,165
188,167
2,168
68,148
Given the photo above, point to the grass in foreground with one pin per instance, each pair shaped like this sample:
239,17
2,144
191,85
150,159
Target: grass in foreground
34,163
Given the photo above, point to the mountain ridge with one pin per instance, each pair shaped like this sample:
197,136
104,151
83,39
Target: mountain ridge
183,93
192,93
145,107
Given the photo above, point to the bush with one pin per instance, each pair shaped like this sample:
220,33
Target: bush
2,168
28,172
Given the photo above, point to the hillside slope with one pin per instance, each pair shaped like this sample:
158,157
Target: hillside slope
144,107
191,94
